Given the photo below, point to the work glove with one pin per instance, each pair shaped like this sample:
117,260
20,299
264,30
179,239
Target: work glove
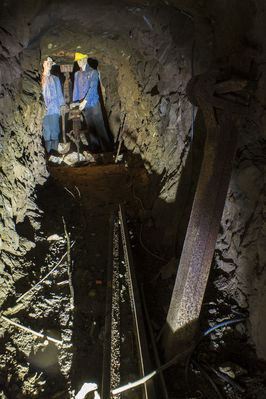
86,388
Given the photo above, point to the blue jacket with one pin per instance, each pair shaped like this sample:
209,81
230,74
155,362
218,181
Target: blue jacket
86,86
52,94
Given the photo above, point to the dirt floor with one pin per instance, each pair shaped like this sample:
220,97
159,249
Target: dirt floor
86,197
77,203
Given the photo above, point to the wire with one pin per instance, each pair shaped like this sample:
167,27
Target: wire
224,323
188,352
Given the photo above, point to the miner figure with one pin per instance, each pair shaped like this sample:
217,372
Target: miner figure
54,100
86,92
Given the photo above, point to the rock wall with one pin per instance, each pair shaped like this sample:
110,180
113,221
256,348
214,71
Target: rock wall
22,156
143,75
239,260
144,69
240,251
146,58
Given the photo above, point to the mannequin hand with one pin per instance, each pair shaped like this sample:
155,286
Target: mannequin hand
65,108
74,105
82,105
86,388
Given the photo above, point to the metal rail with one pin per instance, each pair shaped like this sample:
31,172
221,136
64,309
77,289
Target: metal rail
123,299
136,308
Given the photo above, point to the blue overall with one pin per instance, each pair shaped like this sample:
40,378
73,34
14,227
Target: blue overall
54,99
86,87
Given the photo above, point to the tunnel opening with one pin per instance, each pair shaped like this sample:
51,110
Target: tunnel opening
145,61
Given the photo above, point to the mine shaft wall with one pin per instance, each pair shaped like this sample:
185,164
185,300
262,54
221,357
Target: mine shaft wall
22,156
143,79
144,72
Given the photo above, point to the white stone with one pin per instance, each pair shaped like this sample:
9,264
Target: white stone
72,158
55,237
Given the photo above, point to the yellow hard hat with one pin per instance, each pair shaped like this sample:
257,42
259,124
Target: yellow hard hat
79,56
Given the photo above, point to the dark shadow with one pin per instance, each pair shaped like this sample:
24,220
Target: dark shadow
171,219
25,229
181,341
93,63
174,217
105,118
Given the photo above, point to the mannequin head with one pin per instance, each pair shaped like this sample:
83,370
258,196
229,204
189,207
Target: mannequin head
47,65
82,63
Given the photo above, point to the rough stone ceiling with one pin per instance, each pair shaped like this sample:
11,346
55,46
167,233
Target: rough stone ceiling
110,31
229,21
135,28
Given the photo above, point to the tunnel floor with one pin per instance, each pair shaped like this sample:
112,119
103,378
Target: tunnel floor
83,198
86,197
76,202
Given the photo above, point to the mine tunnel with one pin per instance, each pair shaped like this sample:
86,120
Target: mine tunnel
140,266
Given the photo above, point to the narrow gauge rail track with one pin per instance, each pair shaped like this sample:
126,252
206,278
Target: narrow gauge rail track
126,354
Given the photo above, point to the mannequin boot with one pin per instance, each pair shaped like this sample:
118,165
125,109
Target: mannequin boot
48,145
54,145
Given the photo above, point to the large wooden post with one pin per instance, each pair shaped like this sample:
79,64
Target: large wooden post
221,118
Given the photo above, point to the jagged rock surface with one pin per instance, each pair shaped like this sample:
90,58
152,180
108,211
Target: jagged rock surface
145,54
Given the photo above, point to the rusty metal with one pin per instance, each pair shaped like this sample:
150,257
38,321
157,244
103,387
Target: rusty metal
136,307
221,120
74,134
66,69
67,90
120,137
125,335
106,370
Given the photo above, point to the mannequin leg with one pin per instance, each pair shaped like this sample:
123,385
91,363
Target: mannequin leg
47,133
54,144
48,145
94,142
55,130
100,127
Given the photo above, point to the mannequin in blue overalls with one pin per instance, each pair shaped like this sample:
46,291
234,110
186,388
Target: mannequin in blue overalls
86,91
54,99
